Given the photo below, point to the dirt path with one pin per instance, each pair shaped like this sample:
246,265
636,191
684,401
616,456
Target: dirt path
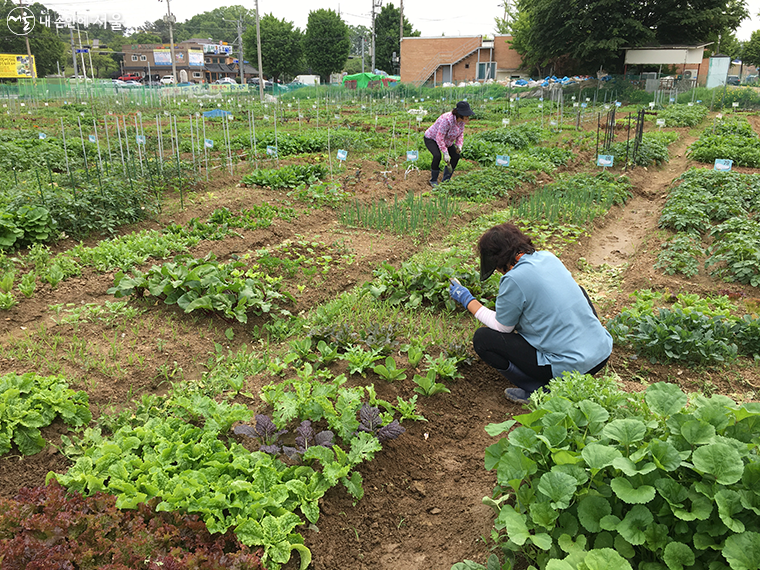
619,239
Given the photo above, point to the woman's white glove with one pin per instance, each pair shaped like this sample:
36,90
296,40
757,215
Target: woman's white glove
446,157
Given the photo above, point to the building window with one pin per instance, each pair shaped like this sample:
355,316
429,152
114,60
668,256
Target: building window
467,66
196,74
487,70
208,60
134,57
143,58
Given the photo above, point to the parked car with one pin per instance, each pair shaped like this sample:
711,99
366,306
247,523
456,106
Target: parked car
132,84
167,80
130,77
118,82
255,81
733,80
225,81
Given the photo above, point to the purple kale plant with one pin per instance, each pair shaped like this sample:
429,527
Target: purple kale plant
307,438
371,422
266,432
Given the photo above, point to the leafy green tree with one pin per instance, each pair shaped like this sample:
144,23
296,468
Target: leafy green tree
357,33
143,38
220,24
751,55
104,65
387,38
354,65
45,46
326,42
161,28
694,21
281,47
589,35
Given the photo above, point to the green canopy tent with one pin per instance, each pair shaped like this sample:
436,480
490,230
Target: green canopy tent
361,80
365,80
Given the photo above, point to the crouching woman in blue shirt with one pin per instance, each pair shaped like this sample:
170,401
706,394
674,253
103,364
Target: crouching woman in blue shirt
544,323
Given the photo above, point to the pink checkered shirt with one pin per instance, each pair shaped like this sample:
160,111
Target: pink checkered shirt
446,131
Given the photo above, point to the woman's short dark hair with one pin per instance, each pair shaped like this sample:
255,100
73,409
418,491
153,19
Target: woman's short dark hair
503,243
456,113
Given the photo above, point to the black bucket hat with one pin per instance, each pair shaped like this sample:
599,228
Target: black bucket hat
463,108
487,266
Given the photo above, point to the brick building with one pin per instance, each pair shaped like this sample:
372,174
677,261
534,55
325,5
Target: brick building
156,59
461,58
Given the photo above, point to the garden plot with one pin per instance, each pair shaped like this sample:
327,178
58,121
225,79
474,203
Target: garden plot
421,491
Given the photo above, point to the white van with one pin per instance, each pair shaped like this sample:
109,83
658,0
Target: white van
167,79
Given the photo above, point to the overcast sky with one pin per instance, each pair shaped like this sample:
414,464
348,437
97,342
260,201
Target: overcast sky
431,17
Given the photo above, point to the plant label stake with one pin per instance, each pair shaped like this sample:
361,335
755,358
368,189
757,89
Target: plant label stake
605,161
723,164
411,158
502,160
342,154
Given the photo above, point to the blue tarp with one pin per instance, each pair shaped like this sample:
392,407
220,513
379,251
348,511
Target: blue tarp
216,113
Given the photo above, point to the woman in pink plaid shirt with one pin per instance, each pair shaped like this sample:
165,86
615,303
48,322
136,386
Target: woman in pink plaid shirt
444,139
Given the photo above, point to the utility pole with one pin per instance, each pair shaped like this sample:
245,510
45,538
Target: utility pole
74,55
170,20
400,32
240,48
81,49
28,49
375,4
258,51
400,24
89,54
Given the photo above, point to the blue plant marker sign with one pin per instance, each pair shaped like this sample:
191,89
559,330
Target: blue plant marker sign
723,164
42,136
412,155
208,143
342,154
93,139
502,160
139,138
618,103
605,160
583,105
271,150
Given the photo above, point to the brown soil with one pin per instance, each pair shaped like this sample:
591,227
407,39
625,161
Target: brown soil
422,507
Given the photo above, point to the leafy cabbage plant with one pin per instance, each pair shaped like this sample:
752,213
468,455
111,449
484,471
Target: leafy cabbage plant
667,482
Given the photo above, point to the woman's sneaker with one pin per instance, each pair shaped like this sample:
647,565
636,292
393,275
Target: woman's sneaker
516,395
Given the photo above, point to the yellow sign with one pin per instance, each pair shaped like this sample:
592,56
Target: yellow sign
14,66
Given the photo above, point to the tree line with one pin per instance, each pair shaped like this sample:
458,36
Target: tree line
586,36
327,45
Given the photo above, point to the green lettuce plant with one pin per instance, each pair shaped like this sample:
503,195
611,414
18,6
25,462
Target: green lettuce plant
427,386
388,371
29,402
